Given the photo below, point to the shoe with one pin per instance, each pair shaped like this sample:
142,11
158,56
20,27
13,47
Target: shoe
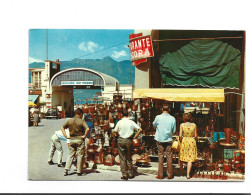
65,173
188,177
50,162
124,178
131,176
79,174
158,177
60,165
170,177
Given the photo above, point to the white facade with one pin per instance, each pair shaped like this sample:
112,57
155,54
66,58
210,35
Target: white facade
40,83
125,89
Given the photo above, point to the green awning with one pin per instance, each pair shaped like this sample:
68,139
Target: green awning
209,63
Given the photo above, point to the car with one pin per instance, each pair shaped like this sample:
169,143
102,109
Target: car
52,113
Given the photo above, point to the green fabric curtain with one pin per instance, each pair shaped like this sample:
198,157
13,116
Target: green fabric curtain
202,62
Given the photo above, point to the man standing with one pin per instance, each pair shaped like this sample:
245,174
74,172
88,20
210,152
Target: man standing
166,127
125,129
78,132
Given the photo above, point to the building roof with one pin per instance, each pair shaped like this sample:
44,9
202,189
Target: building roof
107,79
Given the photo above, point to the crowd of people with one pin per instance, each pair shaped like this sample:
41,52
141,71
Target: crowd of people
75,132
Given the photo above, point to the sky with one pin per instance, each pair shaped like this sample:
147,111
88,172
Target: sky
68,44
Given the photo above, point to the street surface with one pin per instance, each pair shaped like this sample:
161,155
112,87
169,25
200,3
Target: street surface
39,145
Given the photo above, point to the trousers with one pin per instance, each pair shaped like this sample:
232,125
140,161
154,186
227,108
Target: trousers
165,148
76,146
56,145
125,156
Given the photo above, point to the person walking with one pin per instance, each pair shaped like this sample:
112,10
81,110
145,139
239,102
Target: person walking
125,129
187,136
165,125
36,117
56,145
78,132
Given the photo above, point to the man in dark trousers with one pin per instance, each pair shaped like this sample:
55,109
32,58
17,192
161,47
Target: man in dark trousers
125,129
78,132
165,128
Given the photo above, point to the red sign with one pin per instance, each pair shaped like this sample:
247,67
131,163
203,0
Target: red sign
141,48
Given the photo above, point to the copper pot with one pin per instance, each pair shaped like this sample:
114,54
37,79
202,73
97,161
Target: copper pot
135,142
212,146
147,105
109,160
101,107
227,166
115,151
228,132
119,107
210,166
112,109
141,119
85,108
134,107
96,122
91,109
136,150
105,112
143,109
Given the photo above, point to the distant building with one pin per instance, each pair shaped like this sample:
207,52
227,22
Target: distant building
54,88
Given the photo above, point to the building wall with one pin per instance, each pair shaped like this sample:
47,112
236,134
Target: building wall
142,70
126,91
62,97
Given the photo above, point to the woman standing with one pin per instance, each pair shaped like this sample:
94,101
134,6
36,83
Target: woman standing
188,148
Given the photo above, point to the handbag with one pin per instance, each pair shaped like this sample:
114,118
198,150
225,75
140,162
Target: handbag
176,145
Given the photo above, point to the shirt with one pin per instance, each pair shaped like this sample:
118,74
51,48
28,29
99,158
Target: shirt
76,126
125,127
166,127
61,136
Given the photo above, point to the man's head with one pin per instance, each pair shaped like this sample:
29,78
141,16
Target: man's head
125,113
166,108
79,112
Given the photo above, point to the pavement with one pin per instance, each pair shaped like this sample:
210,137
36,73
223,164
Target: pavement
39,170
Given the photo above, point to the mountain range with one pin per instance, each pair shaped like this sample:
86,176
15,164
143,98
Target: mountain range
119,70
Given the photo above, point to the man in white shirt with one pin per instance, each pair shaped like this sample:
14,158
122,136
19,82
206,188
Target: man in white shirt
125,129
56,145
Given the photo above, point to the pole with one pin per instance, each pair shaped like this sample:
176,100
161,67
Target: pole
46,44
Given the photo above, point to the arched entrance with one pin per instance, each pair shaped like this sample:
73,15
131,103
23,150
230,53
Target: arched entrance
64,82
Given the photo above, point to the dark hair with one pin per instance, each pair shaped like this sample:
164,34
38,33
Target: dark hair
125,113
166,107
79,111
187,117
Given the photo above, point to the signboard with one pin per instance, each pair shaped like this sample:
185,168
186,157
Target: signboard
76,82
35,92
141,48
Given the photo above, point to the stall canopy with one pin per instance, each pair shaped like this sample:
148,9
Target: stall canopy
181,95
210,63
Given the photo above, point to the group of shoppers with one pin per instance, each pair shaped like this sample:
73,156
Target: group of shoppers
75,130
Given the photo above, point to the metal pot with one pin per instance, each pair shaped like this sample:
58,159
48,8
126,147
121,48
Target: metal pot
109,160
228,132
227,166
115,151
137,150
135,142
134,107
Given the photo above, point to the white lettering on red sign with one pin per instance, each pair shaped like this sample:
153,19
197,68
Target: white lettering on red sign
141,48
